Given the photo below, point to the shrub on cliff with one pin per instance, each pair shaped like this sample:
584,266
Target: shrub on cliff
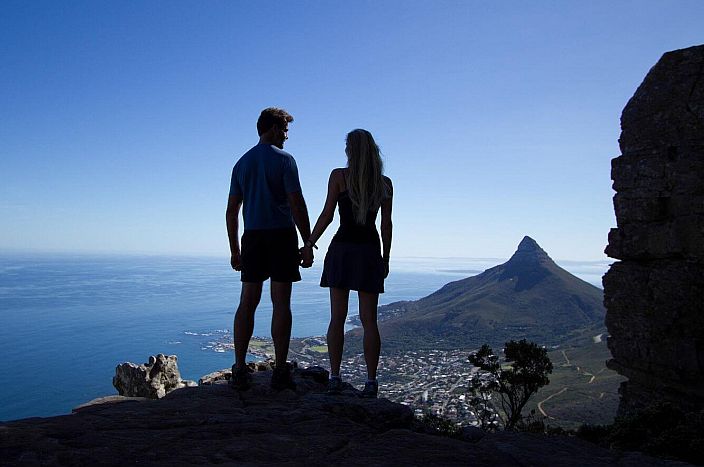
511,382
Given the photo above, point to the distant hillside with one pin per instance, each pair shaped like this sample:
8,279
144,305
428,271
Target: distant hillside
529,296
581,390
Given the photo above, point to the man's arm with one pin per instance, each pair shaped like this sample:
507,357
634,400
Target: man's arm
299,211
234,203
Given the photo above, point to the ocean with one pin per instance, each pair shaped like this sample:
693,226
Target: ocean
67,320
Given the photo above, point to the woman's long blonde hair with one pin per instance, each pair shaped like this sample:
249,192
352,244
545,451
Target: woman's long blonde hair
365,179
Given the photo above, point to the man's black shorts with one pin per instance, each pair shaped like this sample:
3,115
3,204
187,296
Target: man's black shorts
271,253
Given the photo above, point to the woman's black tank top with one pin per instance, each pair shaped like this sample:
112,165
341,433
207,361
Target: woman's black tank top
350,231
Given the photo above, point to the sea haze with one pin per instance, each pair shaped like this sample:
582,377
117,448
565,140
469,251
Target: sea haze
66,321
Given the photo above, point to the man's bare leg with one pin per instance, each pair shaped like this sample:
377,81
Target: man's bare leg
281,319
339,301
244,320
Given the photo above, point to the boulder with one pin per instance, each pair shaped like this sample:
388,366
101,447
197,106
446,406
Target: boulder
152,380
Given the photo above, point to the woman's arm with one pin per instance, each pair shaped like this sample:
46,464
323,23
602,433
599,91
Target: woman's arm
387,225
328,211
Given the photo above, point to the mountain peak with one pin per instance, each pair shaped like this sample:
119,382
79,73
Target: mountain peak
529,249
529,265
528,244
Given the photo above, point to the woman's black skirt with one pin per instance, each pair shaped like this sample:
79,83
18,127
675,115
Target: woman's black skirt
354,266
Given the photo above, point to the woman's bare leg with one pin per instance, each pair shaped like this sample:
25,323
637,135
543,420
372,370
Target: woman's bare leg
339,300
372,341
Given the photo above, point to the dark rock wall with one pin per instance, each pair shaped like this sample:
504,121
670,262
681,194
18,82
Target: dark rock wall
655,295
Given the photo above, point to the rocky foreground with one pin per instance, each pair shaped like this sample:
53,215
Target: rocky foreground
212,424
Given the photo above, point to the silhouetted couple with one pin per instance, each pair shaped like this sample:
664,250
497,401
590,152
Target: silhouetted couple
265,185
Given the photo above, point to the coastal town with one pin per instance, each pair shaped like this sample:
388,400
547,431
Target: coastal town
433,381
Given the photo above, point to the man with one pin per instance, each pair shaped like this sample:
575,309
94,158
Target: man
265,183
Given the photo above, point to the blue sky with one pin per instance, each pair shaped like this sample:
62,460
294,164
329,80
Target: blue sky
120,121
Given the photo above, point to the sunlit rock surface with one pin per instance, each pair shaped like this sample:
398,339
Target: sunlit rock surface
152,380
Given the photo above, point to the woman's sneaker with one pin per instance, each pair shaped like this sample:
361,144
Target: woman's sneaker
371,389
334,385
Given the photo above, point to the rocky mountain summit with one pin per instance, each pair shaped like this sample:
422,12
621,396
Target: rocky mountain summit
212,424
529,296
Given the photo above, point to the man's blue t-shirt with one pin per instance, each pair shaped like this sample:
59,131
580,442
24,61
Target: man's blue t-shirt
263,177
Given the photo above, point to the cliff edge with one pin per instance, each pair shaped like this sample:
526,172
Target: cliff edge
214,424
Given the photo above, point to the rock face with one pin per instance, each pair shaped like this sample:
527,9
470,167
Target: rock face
152,380
212,424
655,294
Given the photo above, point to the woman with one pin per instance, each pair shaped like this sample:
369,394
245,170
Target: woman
354,260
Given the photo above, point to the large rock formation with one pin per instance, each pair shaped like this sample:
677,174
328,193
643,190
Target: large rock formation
152,380
655,294
212,424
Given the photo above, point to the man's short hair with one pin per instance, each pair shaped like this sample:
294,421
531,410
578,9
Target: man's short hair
272,116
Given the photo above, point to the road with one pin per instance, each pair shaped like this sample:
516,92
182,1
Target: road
540,404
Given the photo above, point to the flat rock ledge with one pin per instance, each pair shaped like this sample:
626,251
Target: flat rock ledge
212,424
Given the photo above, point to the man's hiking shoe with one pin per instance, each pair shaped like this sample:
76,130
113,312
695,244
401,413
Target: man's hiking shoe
240,379
281,379
371,389
335,385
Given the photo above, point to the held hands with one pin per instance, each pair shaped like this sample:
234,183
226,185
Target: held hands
306,256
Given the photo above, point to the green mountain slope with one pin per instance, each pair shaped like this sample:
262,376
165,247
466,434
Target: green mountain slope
529,296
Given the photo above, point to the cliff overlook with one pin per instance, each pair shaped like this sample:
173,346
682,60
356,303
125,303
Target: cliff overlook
212,424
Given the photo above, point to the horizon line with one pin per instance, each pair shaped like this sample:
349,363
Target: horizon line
16,252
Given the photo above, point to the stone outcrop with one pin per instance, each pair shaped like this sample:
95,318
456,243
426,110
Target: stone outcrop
212,424
655,294
152,380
